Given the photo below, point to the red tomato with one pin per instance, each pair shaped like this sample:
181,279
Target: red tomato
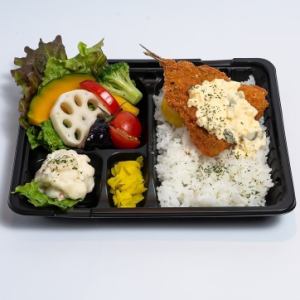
123,140
106,99
128,122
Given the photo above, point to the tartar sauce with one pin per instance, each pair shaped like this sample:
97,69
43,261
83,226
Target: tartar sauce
224,111
66,174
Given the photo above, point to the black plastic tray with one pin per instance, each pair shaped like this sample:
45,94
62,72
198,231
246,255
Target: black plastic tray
149,79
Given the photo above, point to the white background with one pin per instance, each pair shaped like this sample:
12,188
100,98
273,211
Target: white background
79,260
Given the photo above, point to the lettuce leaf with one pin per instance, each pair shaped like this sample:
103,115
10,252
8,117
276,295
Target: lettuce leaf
30,73
49,138
32,133
38,199
44,136
89,60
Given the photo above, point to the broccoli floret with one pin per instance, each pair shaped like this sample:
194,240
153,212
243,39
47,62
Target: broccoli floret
117,80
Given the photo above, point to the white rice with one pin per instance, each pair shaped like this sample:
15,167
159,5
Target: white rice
189,179
249,81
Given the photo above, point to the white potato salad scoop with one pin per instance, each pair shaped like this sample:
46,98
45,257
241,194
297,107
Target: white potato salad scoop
73,114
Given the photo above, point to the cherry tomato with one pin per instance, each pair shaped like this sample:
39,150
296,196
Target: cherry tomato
123,140
128,122
106,99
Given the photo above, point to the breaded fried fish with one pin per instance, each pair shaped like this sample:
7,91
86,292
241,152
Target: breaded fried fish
179,77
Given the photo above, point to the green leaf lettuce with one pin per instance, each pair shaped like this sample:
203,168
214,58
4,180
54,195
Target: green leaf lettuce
89,60
44,136
30,72
38,199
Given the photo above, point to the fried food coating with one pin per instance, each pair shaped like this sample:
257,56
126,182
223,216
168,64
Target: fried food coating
256,96
179,77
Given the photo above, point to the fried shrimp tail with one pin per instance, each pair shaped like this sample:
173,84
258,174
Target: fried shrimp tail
152,54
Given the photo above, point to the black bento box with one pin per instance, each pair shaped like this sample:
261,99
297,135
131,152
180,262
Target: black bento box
148,76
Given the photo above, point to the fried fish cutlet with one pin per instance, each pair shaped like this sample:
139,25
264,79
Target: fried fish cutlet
256,96
179,77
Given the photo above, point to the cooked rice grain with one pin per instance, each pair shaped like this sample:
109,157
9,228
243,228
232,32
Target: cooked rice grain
189,179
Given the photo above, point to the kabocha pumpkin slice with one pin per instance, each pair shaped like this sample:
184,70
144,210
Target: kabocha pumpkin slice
171,115
42,103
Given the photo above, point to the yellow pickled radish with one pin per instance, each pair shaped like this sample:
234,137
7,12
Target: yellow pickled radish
127,184
170,114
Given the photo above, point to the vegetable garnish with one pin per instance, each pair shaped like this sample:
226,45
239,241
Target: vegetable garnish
127,122
45,136
103,95
48,62
31,69
125,130
31,191
98,136
126,105
73,114
42,103
116,79
170,115
46,74
89,61
127,183
123,140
